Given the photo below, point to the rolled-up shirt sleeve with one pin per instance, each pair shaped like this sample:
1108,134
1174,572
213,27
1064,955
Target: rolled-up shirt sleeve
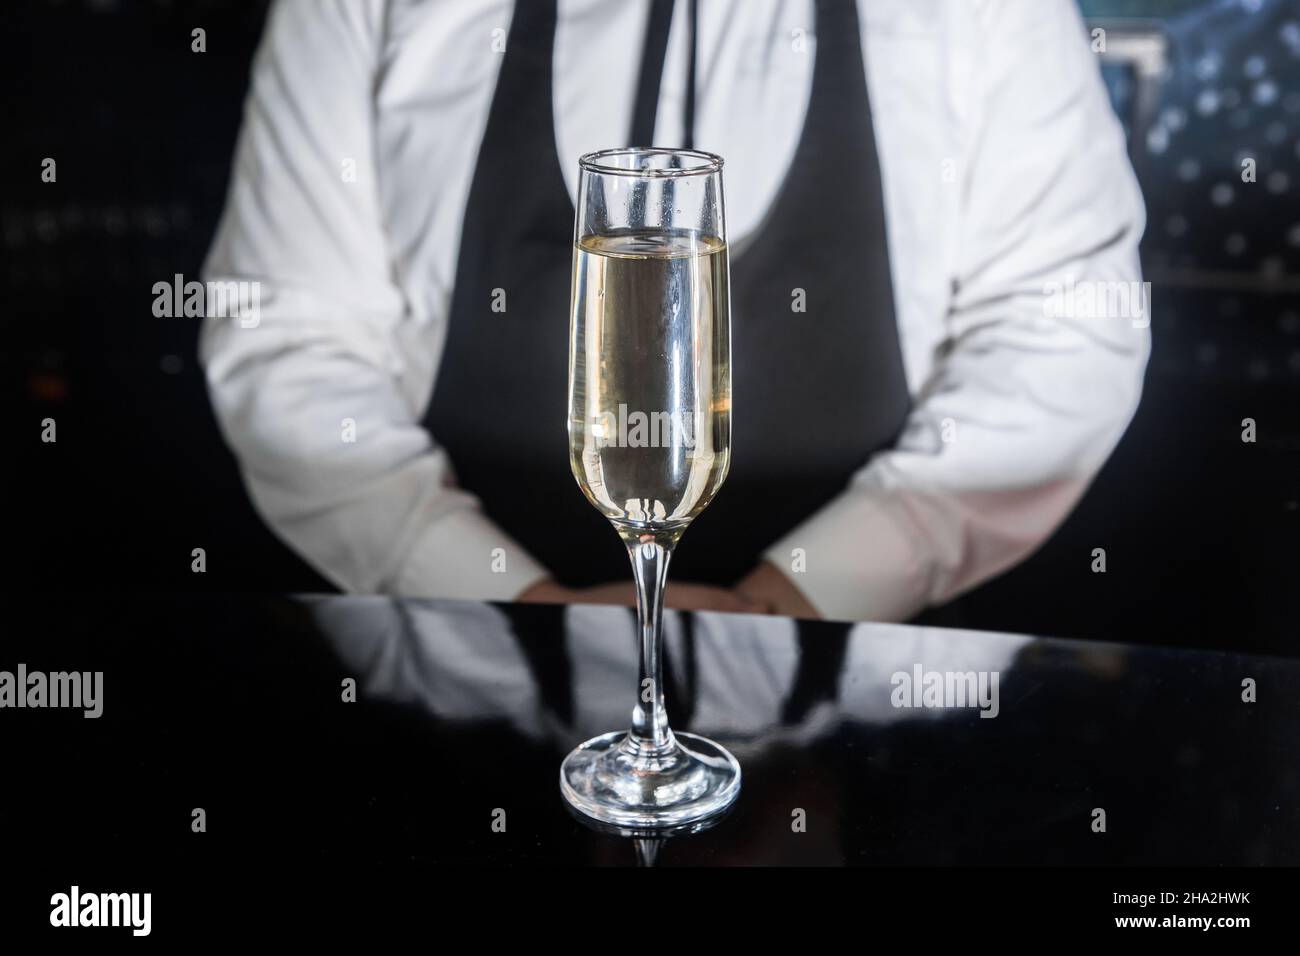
1027,400
309,390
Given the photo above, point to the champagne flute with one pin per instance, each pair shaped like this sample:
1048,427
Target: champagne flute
650,441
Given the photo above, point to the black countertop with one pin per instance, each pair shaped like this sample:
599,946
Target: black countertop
234,704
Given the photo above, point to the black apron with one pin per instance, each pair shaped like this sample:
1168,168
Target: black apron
815,393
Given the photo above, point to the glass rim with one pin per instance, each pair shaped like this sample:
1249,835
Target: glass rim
706,163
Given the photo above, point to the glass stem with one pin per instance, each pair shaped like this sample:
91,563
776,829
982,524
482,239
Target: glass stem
650,555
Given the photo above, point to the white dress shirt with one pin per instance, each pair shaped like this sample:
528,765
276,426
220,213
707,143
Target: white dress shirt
1003,171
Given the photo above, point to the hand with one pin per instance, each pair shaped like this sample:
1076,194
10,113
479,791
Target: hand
775,593
680,595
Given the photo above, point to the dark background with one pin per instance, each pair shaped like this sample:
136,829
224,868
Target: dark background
1201,530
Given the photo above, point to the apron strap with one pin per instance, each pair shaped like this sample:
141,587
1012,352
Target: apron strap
646,105
688,110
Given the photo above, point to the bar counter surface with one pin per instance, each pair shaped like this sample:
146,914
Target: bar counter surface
228,734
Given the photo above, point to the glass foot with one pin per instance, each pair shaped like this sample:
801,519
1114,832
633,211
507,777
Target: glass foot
621,780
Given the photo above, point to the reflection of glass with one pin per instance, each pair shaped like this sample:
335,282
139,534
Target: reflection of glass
650,441
647,851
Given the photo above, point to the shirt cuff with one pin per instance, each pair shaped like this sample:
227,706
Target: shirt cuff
464,555
861,561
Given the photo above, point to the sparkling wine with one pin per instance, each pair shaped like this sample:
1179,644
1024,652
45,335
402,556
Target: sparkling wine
650,376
